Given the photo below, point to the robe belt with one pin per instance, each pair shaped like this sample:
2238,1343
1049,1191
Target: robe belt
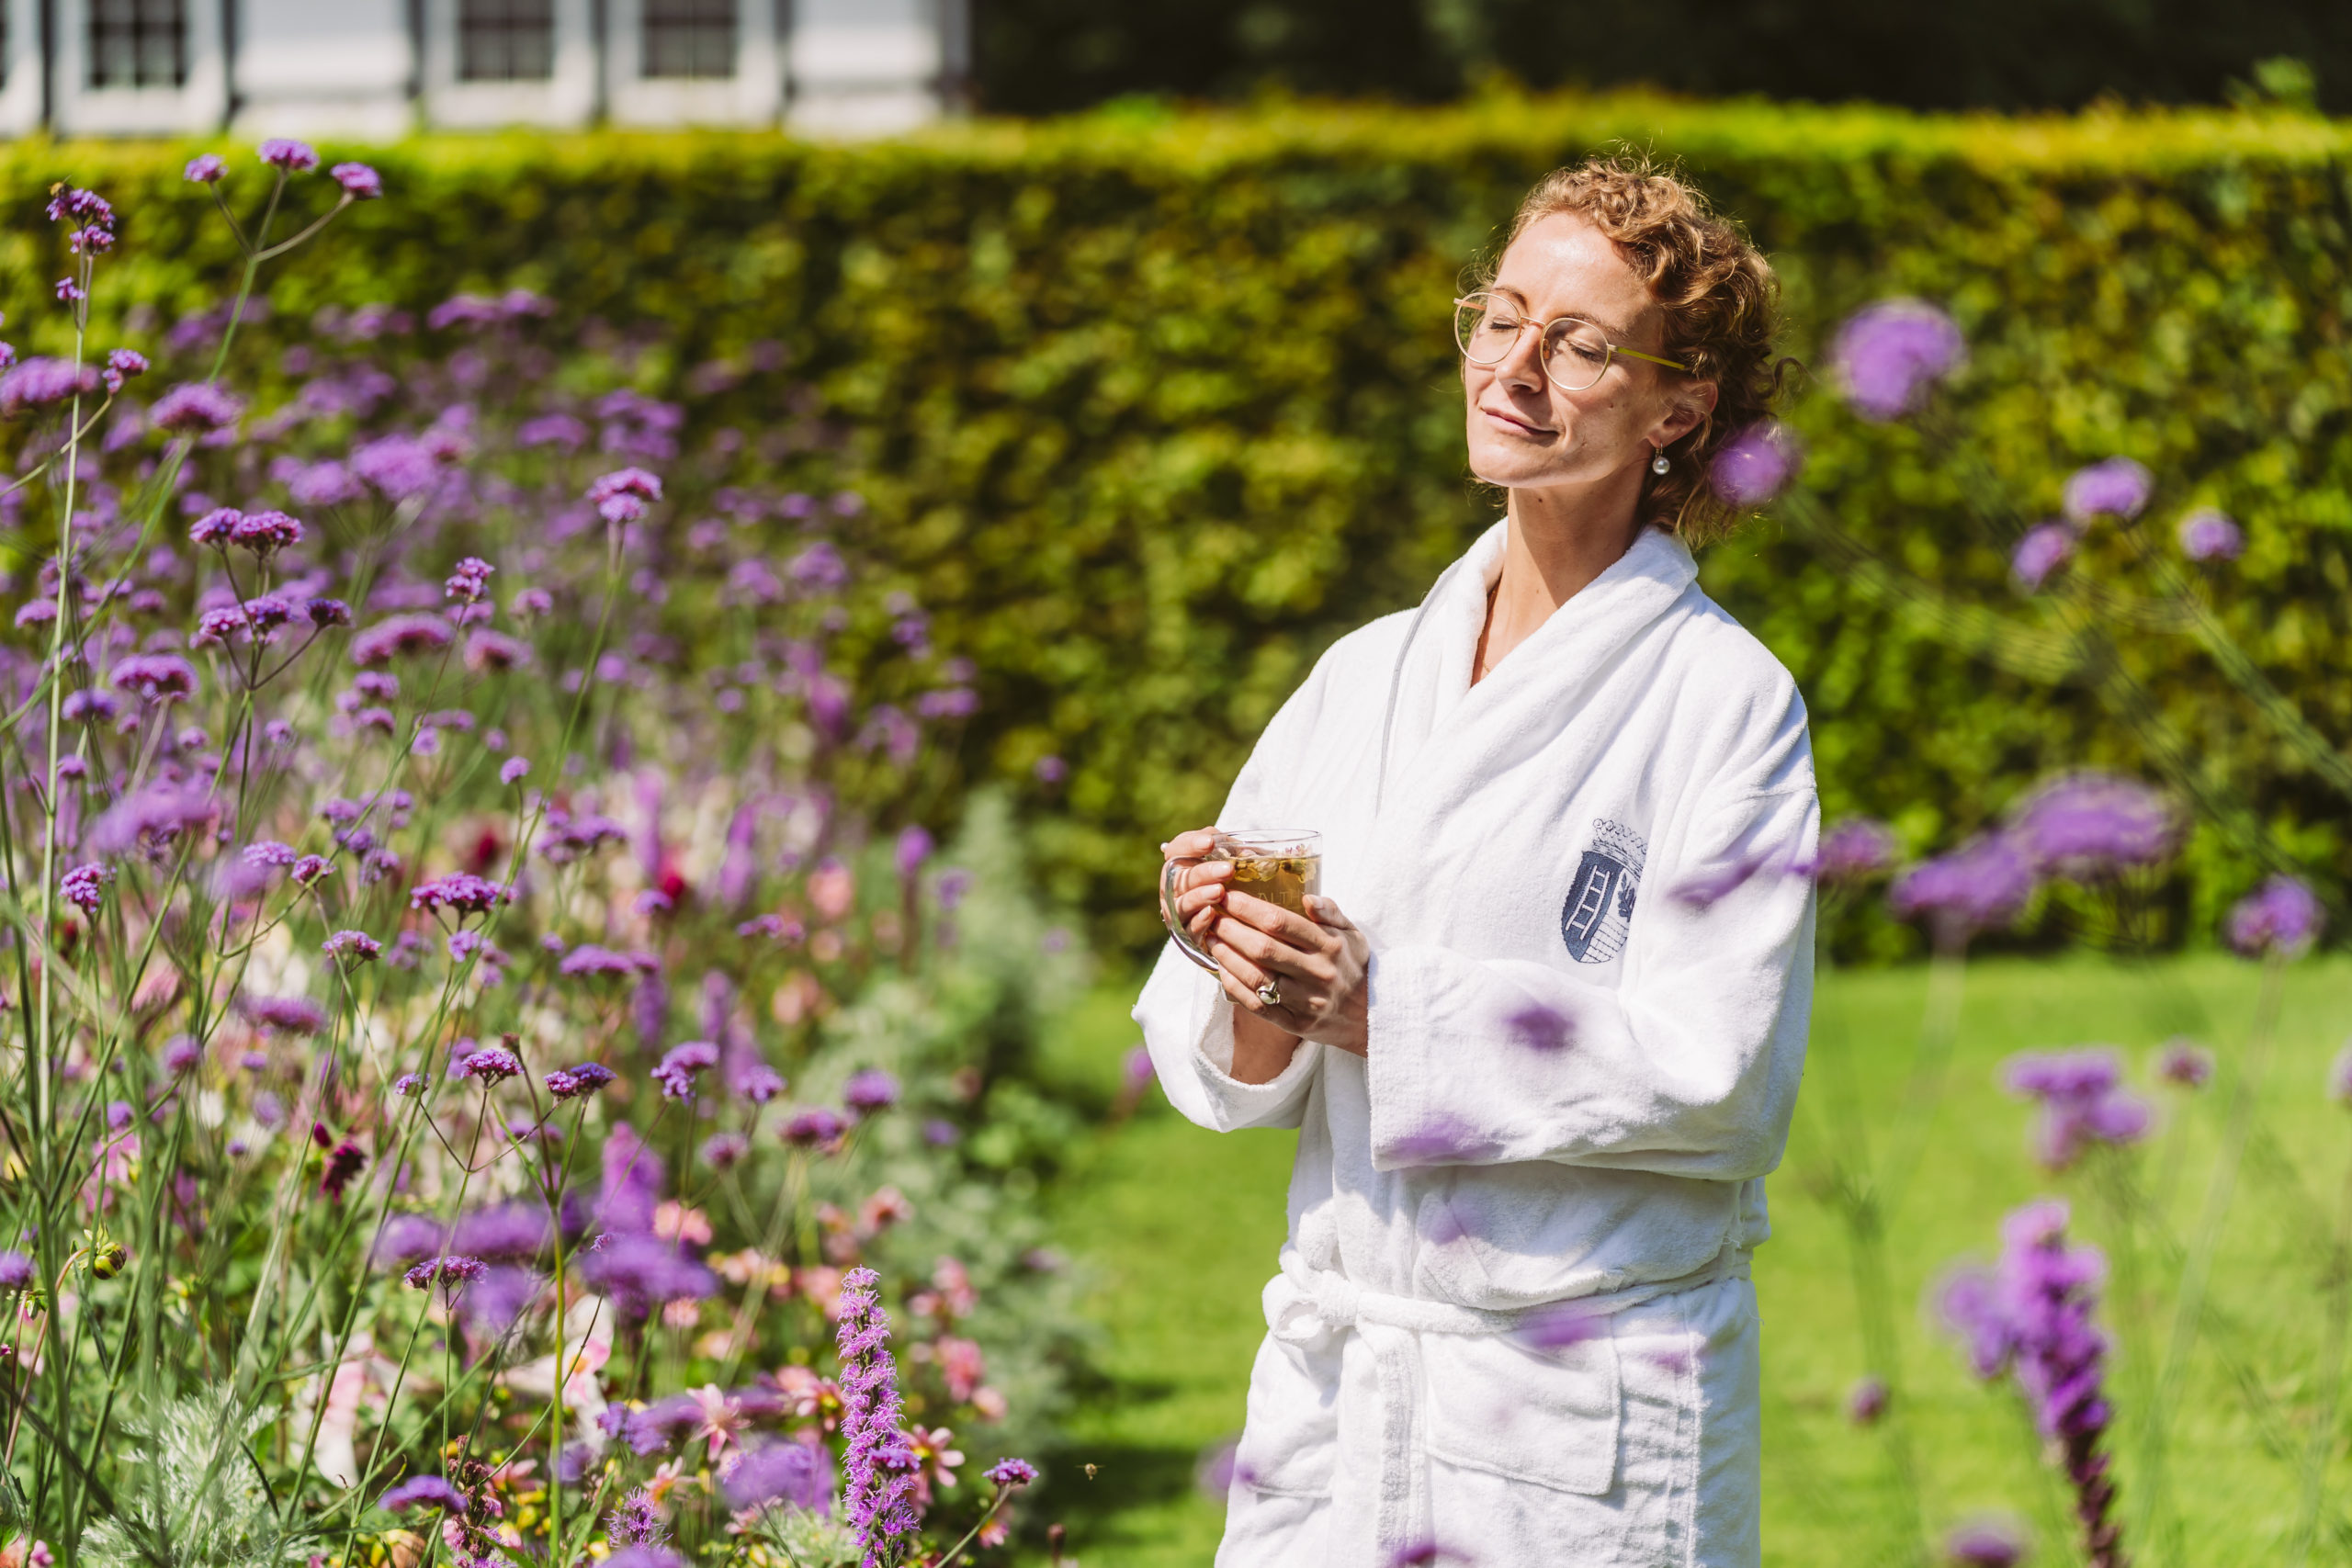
1305,1304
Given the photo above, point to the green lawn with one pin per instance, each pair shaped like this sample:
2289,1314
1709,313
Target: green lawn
1180,1226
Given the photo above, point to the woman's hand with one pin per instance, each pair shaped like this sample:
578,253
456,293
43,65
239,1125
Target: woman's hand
1199,885
1317,968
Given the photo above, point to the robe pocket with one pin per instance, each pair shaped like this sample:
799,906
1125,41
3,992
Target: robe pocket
1545,1417
1290,1443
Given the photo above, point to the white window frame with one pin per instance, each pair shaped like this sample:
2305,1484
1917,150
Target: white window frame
567,97
21,74
198,104
350,76
753,95
867,68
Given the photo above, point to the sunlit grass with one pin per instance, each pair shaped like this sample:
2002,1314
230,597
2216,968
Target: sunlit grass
1181,1227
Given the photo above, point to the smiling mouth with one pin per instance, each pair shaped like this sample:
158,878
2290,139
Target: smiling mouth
1500,417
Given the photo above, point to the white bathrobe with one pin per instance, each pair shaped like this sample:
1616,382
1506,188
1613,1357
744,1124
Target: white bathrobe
1513,1324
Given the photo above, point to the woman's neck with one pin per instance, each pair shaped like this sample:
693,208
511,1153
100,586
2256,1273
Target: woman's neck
1551,548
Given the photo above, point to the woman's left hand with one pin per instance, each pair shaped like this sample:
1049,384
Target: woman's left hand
1317,968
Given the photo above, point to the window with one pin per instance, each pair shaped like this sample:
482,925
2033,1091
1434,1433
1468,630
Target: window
505,40
137,43
689,38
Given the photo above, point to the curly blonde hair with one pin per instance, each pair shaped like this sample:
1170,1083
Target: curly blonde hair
1723,311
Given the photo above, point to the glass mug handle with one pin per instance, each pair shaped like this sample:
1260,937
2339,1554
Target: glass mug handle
1176,932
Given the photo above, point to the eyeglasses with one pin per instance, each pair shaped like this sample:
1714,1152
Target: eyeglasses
1576,353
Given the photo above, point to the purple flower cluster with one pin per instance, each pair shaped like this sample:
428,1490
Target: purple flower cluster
1853,850
680,1065
1982,885
461,893
1757,463
84,886
1887,355
192,408
2115,488
356,947
880,1493
2045,548
621,496
2206,536
422,1492
40,382
2282,916
400,637
2092,826
800,1474
869,1091
2082,1098
2183,1063
450,1272
2031,1316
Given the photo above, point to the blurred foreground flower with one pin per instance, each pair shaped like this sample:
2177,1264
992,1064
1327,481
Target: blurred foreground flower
1887,355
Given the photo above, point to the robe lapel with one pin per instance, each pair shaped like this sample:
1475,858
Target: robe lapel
1454,739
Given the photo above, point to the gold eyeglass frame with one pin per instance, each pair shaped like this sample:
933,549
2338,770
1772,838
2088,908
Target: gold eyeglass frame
1544,332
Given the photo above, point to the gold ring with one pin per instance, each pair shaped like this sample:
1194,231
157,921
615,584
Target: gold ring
1271,993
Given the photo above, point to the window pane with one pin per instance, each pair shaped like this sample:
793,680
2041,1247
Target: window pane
137,43
505,40
689,38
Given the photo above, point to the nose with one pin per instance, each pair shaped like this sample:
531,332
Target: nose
1523,366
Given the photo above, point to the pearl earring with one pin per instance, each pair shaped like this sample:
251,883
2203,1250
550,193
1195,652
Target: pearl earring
1658,464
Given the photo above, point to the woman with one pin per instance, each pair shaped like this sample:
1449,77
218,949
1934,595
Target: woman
1542,1035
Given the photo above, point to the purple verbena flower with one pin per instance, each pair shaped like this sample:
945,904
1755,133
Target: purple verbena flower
1758,465
266,533
84,886
155,677
16,1272
679,1066
2282,916
2116,488
621,495
1867,1401
1889,353
359,182
636,1521
182,1054
1010,1473
913,848
816,1127
567,1083
470,581
1853,850
358,947
192,408
423,1491
206,169
1984,884
1541,1028
269,853
40,381
462,892
512,770
286,1015
122,364
1985,1543
2082,1100
869,1091
450,1272
796,1473
491,1063
2089,826
2184,1063
399,636
2208,536
294,157
2045,548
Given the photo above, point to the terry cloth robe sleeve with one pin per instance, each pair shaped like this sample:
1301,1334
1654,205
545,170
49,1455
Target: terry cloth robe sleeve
1186,1017
1688,1067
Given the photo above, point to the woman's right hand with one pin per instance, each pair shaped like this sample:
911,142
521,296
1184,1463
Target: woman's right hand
1200,884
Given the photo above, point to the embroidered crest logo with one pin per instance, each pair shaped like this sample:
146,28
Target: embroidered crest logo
1600,907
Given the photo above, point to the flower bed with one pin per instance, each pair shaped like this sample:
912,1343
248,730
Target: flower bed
485,1000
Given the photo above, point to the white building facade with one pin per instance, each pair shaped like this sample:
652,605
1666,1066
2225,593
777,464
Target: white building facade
375,69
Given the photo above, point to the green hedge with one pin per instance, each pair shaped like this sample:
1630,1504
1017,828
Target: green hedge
1155,406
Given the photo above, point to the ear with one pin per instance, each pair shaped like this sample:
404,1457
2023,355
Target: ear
1689,404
